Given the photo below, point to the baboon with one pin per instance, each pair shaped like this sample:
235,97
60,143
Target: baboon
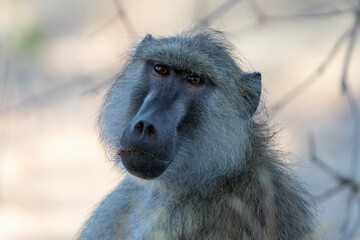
198,162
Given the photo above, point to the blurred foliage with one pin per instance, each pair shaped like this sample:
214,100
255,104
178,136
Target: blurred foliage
31,40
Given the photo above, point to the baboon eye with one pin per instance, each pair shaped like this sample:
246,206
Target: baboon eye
161,69
195,80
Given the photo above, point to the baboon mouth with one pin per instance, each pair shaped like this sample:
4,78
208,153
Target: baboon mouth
136,151
141,163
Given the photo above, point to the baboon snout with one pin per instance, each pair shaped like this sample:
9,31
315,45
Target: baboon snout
147,144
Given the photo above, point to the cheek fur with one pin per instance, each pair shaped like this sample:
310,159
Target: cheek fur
211,149
119,108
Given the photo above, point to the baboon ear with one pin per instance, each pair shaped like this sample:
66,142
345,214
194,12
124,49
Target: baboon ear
253,97
147,38
140,46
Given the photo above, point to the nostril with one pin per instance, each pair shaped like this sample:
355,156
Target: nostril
150,130
143,127
139,126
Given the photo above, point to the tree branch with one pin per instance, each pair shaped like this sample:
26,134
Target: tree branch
311,79
354,114
216,13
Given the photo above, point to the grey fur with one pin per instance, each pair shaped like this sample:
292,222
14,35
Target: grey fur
226,182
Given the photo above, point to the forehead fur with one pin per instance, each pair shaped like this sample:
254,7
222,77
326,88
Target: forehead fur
207,53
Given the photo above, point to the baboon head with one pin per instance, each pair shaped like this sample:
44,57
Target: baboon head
181,109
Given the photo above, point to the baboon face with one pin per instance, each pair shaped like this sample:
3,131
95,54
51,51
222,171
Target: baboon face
149,142
180,109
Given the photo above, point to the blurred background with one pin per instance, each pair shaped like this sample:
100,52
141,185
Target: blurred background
58,58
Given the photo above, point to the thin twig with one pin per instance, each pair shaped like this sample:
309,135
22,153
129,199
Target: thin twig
263,18
348,212
329,193
354,114
52,95
311,79
331,171
104,25
97,87
321,4
216,13
309,15
352,227
129,27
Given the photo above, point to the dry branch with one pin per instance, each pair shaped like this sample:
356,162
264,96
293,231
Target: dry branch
216,13
313,77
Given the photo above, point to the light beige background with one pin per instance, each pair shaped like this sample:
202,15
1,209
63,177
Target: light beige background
54,53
